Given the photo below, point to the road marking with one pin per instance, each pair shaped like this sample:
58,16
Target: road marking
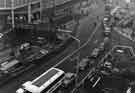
129,47
97,82
125,35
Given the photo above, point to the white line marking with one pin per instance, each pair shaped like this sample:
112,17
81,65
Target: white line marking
129,47
126,36
97,82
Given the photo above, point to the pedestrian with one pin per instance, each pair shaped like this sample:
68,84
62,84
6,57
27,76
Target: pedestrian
95,24
98,18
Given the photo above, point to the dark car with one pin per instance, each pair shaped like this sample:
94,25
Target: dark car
107,31
84,63
95,53
69,79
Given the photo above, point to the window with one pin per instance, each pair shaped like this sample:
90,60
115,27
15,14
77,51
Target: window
53,84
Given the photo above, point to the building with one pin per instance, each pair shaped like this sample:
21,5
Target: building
13,12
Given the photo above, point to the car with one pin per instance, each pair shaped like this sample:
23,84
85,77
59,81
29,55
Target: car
106,19
95,53
102,46
84,63
107,33
68,79
108,28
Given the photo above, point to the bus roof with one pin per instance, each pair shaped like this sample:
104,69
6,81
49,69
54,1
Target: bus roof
43,80
46,76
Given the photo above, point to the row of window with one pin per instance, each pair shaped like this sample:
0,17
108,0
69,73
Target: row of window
8,3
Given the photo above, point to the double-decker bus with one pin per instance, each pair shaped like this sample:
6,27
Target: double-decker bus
48,82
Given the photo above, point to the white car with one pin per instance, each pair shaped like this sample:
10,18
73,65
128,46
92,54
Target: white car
105,20
107,28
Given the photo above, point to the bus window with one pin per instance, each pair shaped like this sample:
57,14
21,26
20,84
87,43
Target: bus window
53,85
45,78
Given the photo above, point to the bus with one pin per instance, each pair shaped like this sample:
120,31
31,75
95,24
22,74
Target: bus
48,82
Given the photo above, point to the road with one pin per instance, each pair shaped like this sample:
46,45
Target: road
96,35
116,39
86,29
12,85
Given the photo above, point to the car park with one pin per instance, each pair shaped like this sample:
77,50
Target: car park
68,79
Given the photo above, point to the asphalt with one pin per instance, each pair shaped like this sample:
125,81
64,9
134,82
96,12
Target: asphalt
86,30
116,39
12,85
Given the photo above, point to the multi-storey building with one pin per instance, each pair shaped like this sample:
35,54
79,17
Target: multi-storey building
14,11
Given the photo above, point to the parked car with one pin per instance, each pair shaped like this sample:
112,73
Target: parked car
107,31
106,19
102,46
68,79
84,63
95,53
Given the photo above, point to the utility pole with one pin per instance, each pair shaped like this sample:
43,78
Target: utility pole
41,7
12,13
